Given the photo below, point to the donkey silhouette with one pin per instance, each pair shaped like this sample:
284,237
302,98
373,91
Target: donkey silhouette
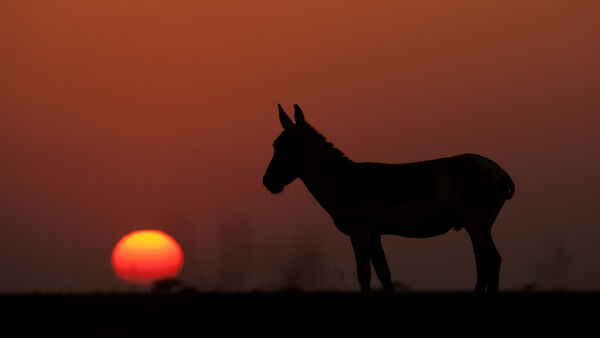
418,200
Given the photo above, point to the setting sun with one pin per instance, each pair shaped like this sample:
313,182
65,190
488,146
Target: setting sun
145,256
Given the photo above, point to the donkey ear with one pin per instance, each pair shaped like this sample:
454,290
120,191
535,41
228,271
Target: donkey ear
298,114
286,122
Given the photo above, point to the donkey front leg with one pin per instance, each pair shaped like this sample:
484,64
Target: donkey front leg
380,264
362,254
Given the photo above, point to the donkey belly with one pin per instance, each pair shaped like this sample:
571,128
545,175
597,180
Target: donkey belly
411,200
414,220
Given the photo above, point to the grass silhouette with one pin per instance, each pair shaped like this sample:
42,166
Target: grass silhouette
298,314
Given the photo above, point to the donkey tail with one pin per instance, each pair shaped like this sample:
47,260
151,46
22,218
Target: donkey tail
510,185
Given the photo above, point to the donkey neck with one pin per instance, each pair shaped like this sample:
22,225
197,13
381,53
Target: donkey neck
327,174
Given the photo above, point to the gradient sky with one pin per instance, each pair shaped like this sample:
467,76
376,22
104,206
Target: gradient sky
121,115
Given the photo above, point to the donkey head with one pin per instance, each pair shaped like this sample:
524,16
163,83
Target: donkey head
286,164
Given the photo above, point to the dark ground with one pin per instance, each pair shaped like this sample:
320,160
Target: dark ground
297,314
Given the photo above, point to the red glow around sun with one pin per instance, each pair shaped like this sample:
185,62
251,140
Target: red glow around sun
145,256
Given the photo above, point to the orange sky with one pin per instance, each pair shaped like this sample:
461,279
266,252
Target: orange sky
120,115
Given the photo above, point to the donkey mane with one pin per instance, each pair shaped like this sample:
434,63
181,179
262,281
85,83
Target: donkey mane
325,149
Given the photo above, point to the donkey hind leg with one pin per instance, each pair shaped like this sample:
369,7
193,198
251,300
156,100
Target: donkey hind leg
487,261
494,267
380,264
361,246
480,267
487,258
